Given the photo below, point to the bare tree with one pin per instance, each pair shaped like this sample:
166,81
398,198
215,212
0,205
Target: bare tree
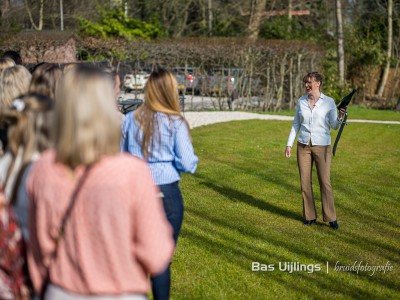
389,48
5,7
340,42
258,8
39,26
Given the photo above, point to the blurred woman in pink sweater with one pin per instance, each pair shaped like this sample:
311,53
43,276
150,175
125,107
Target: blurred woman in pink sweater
115,230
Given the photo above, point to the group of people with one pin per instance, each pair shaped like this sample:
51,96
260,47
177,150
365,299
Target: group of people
95,193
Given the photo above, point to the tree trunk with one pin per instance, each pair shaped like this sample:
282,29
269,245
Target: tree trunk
61,15
290,9
40,25
389,49
255,18
210,17
291,97
340,46
5,8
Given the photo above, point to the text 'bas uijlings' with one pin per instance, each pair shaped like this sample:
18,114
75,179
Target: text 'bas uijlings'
289,267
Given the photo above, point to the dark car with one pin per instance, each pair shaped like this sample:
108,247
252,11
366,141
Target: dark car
188,79
224,81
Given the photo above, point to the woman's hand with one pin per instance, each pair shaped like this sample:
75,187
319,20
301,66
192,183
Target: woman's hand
287,151
342,112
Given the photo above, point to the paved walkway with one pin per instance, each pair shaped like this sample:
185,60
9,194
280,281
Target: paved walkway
197,119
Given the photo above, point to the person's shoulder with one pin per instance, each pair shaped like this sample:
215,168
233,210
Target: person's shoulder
171,120
44,166
328,99
303,97
46,159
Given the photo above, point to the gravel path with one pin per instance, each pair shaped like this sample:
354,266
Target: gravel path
197,119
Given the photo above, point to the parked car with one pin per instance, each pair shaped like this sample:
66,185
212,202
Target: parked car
224,81
135,82
188,79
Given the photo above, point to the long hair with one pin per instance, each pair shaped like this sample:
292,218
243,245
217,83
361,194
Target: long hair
160,95
45,79
14,81
28,119
85,127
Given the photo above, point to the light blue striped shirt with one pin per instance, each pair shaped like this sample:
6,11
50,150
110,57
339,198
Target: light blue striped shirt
314,124
173,155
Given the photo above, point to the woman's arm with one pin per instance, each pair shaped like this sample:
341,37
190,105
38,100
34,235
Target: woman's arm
124,143
185,158
295,126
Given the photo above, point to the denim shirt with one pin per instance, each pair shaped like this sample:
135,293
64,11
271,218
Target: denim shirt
175,153
314,124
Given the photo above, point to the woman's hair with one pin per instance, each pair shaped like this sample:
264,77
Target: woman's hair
85,124
14,81
69,66
160,95
28,120
14,55
314,75
45,79
6,62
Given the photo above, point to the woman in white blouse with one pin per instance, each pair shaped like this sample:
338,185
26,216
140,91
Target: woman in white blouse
316,114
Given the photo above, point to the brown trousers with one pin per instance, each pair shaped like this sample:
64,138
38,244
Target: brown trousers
321,155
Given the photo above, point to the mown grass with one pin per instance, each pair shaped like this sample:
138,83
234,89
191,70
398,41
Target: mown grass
358,112
244,205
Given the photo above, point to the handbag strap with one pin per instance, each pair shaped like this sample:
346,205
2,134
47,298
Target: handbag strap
68,212
61,231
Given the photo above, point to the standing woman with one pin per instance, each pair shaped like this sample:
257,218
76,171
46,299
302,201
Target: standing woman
158,133
316,113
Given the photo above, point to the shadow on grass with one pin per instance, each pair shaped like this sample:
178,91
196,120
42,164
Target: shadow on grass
267,173
241,253
235,195
290,243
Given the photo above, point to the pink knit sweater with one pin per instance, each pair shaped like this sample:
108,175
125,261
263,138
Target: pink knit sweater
115,236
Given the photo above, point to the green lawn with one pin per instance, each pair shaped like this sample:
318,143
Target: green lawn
357,112
243,205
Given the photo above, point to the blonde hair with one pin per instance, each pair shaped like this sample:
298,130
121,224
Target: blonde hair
86,127
45,79
14,81
160,95
6,62
28,120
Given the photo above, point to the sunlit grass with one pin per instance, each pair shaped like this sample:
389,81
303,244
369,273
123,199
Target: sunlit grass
244,205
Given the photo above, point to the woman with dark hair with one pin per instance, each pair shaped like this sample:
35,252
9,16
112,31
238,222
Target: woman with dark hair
14,55
158,133
316,113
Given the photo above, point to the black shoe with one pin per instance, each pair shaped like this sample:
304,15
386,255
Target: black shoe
334,225
309,222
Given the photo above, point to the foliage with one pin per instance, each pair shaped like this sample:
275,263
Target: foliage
244,205
280,27
114,23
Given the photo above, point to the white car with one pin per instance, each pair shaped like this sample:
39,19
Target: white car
135,82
